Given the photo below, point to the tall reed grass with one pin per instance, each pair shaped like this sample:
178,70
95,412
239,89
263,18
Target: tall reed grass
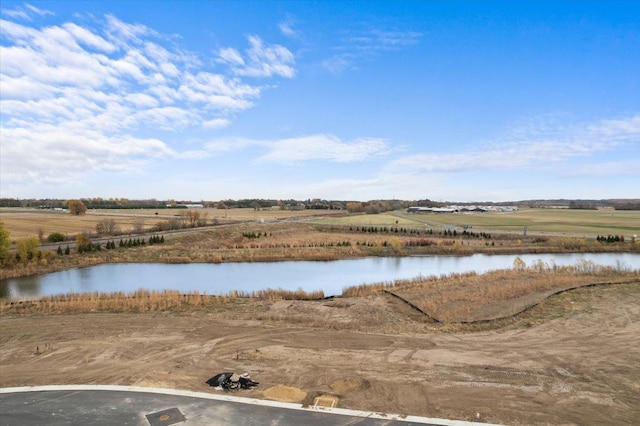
143,301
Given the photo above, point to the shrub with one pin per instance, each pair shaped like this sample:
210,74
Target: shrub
27,248
55,237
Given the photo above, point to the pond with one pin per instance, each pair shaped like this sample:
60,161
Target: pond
330,277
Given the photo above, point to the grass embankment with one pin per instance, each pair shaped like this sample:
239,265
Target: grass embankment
473,298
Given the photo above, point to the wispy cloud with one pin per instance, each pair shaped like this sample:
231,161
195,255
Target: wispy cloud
630,167
377,40
323,147
287,28
298,150
260,60
366,44
26,12
77,98
531,147
38,11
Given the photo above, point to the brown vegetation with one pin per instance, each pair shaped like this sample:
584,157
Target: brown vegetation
145,301
457,298
472,298
253,242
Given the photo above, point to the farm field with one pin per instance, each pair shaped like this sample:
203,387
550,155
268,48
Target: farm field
560,222
24,223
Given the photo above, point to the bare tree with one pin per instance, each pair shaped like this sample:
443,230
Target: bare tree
202,219
138,225
193,218
183,217
107,227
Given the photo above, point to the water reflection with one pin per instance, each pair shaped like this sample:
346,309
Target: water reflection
27,287
330,277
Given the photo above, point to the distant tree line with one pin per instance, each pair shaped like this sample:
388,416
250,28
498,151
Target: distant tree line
371,206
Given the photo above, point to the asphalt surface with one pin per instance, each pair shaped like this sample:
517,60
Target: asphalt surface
112,405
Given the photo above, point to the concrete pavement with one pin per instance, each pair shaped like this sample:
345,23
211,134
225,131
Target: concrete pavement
136,406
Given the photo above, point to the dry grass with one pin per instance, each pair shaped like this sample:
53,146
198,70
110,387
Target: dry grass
23,223
146,301
495,295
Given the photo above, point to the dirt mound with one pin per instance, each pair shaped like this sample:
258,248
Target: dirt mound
285,394
345,385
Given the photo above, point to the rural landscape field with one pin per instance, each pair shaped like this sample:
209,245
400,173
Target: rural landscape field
494,347
401,207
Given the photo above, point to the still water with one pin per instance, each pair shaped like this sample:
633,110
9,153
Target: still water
330,277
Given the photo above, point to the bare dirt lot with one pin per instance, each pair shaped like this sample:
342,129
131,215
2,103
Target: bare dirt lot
572,360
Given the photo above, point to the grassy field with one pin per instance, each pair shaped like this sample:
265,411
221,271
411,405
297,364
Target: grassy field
561,222
23,223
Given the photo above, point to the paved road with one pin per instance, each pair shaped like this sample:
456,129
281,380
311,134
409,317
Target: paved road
121,405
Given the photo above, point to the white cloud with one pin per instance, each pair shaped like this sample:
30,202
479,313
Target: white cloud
261,60
38,11
286,28
17,14
231,56
50,154
323,147
216,123
122,32
86,37
26,12
77,98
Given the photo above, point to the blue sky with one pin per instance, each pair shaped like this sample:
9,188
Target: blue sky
361,100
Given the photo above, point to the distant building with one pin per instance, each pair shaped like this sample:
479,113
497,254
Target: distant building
187,206
431,210
462,209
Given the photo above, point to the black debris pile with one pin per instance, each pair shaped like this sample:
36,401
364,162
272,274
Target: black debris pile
230,381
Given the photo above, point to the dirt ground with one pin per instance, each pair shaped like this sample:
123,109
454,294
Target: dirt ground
573,360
